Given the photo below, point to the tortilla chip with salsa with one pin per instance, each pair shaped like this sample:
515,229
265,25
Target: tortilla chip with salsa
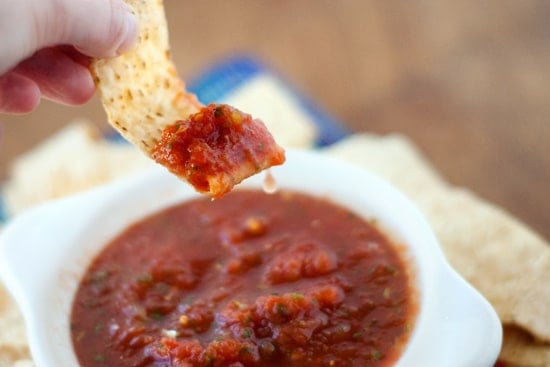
213,147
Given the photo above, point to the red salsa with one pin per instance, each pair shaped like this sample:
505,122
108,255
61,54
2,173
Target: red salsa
217,148
247,280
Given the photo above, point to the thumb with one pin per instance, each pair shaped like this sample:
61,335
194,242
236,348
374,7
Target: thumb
97,28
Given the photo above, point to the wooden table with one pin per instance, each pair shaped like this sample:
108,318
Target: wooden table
467,81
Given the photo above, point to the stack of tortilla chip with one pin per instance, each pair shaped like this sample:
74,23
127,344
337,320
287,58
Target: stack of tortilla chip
506,261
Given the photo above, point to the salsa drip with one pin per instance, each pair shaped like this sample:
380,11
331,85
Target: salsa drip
247,280
216,148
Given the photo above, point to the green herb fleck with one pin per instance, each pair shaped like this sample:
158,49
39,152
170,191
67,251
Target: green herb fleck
98,357
247,332
245,350
281,309
210,360
155,315
297,296
145,278
162,288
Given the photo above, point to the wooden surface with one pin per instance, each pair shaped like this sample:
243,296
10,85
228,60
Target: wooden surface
468,81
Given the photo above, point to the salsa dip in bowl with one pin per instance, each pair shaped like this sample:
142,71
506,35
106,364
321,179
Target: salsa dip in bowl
337,268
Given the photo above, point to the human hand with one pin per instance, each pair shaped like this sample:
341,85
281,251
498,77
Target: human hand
46,47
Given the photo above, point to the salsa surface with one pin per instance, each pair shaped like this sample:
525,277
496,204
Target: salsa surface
248,280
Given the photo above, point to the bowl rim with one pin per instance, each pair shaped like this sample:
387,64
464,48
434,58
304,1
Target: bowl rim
440,288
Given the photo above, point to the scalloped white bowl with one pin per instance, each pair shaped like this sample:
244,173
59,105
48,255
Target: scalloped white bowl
45,251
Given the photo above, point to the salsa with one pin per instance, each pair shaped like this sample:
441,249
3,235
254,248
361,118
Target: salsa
247,280
216,148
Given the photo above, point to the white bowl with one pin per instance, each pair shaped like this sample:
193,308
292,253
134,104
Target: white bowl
45,251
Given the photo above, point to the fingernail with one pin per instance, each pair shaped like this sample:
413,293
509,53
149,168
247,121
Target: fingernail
131,29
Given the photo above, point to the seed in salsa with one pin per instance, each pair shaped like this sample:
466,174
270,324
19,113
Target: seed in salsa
248,280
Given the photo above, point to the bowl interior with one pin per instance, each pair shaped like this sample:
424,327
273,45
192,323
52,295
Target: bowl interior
69,233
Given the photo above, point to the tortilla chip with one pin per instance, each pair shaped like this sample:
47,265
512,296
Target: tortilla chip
267,98
52,164
501,257
392,157
140,90
24,363
13,342
520,349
